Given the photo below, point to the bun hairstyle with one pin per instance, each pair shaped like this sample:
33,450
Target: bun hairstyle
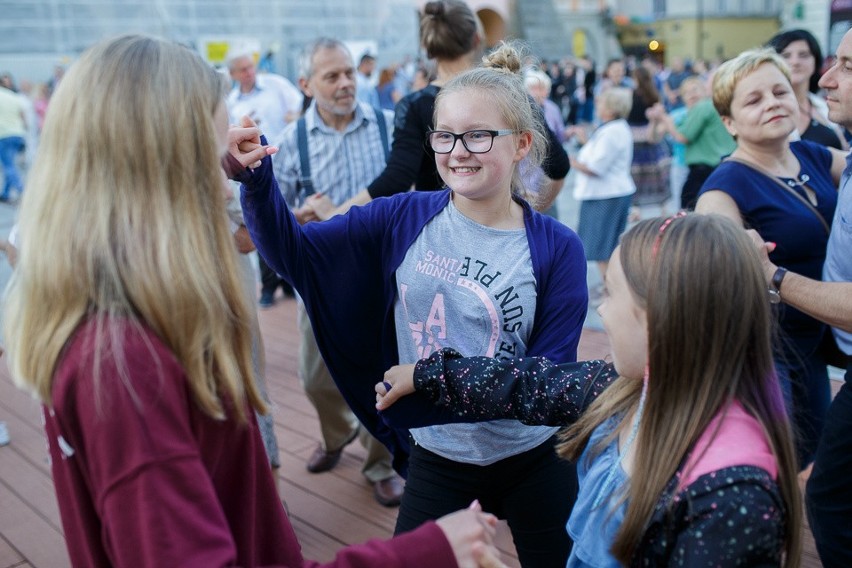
505,57
500,80
448,29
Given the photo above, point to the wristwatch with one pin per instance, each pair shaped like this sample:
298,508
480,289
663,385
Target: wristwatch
775,285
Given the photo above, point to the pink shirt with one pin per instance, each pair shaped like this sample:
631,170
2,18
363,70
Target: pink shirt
739,440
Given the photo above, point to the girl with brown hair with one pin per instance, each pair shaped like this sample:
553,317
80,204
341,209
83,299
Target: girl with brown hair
684,458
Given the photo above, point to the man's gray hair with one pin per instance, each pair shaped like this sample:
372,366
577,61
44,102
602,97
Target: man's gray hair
236,54
306,59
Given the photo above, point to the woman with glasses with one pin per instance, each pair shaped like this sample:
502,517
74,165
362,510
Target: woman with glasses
472,267
604,185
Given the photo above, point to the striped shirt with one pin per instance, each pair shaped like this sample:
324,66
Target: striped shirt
342,163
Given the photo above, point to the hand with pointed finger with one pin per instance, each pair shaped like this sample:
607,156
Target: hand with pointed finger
398,382
244,146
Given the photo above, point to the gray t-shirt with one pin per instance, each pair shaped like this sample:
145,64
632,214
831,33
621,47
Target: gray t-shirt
470,287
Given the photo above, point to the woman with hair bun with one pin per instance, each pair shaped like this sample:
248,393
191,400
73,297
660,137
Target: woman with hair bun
452,37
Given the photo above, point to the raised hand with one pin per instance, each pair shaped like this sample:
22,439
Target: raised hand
244,147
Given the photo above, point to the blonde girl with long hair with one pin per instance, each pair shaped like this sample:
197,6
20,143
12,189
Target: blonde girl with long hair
684,450
126,317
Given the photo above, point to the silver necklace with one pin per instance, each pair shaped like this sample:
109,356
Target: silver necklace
803,179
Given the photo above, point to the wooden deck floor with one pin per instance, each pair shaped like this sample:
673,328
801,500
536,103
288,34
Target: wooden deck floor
328,511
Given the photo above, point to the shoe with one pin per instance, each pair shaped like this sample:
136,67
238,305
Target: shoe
388,492
267,300
287,290
322,460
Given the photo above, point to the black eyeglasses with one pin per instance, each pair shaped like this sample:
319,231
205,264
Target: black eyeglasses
475,141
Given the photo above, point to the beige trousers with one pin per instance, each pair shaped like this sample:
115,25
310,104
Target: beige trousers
337,421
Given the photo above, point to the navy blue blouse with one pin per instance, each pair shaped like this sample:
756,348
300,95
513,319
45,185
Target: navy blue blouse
781,218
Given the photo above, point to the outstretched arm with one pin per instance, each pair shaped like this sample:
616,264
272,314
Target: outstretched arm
530,389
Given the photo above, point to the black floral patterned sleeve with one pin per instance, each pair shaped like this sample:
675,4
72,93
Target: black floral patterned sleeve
530,389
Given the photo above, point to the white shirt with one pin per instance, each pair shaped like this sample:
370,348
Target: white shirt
608,153
268,104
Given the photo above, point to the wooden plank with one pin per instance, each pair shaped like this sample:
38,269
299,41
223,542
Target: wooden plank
28,441
37,540
9,556
328,510
32,485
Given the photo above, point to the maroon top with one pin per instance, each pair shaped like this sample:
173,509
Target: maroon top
145,478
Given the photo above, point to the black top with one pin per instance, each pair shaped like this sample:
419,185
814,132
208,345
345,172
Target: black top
412,162
637,111
822,134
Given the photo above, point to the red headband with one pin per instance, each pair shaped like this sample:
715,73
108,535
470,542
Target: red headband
663,228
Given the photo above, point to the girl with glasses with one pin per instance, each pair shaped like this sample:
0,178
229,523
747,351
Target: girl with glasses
472,267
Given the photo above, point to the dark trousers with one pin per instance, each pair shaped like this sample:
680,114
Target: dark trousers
804,379
829,490
534,491
270,281
698,174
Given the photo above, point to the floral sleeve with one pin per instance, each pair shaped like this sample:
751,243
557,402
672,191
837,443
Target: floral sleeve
530,389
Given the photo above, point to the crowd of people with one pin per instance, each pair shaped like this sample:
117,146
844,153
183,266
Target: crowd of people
440,300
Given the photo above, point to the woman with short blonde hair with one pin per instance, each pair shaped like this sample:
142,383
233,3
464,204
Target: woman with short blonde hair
787,192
